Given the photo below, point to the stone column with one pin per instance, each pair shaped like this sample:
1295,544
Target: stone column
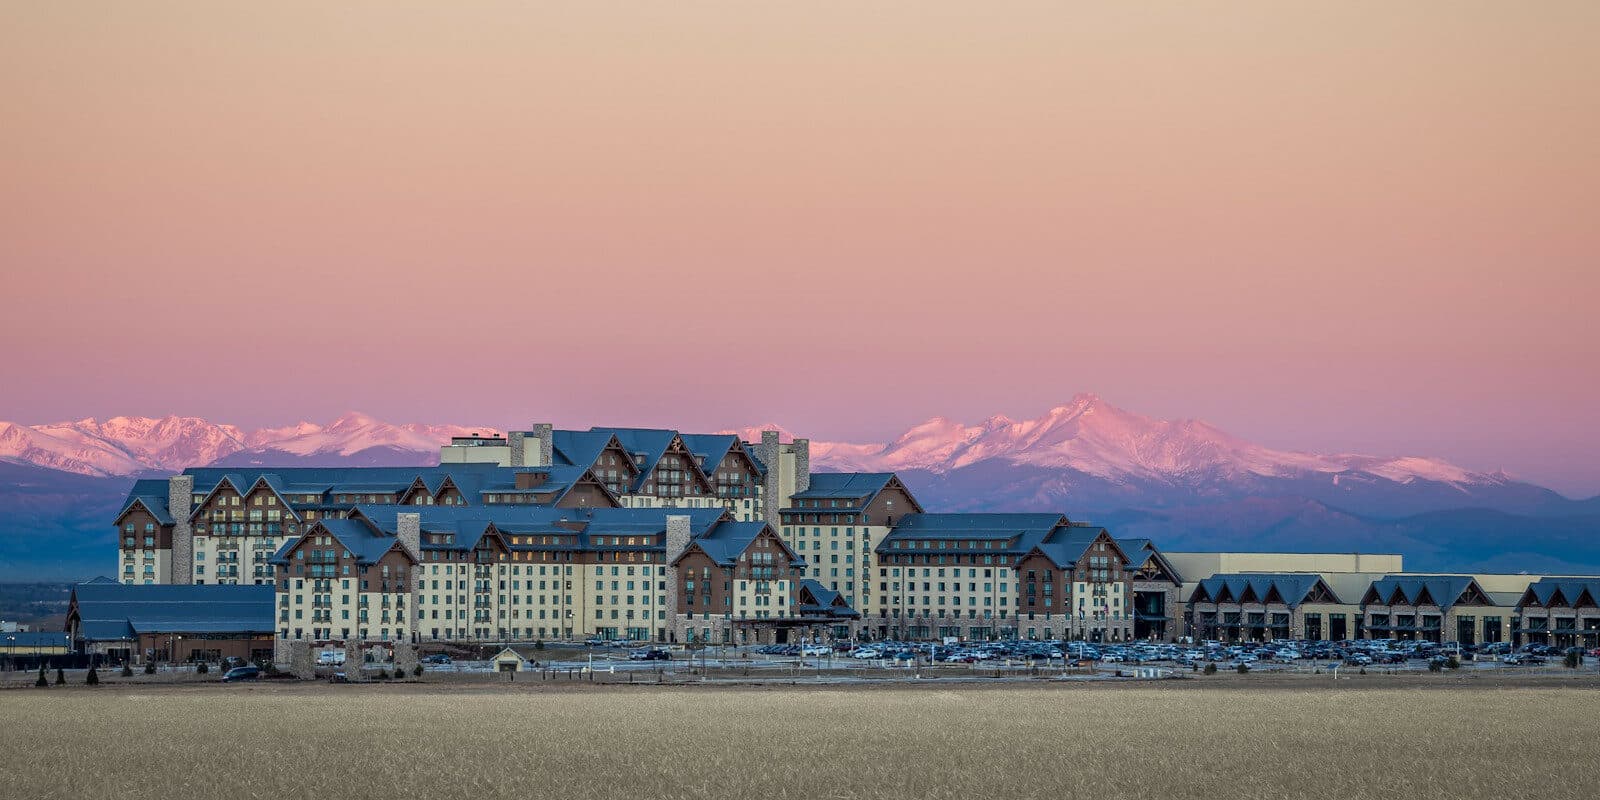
353,665
678,535
180,497
515,439
769,454
301,664
545,433
408,529
802,465
405,659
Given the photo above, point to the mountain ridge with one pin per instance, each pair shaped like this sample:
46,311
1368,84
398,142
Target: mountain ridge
1184,483
1085,439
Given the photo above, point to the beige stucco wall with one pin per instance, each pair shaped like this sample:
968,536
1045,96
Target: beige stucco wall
477,454
1196,566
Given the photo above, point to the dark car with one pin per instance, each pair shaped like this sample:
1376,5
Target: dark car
436,658
246,673
650,654
233,661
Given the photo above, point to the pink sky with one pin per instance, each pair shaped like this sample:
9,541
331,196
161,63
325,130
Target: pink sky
1365,227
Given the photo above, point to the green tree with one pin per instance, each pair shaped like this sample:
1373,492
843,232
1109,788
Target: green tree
92,679
41,681
1211,669
61,677
127,670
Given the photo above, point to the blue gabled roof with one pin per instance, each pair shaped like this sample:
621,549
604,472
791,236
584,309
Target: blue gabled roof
712,447
1029,530
649,443
727,539
118,611
1442,590
470,523
828,601
978,524
157,506
1293,587
578,448
861,486
366,544
293,482
1544,590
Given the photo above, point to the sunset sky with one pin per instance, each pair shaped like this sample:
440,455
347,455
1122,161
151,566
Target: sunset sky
1360,227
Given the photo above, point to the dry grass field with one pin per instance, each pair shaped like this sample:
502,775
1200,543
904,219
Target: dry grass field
1230,742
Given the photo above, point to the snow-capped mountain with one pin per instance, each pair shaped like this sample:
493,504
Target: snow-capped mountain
1091,456
1084,454
1183,483
131,445
1095,438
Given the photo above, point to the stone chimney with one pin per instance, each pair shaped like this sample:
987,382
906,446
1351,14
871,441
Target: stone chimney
408,529
546,434
678,535
768,452
180,499
514,439
802,465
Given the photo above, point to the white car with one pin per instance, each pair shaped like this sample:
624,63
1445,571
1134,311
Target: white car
867,652
815,650
330,658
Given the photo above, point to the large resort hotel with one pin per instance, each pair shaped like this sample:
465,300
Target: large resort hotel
645,534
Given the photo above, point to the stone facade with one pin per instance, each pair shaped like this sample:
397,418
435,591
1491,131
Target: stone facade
299,660
515,440
545,433
405,659
802,465
180,495
678,536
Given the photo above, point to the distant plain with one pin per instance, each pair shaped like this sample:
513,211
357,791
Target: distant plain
1233,739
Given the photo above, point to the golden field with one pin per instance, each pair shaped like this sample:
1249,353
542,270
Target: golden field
1225,742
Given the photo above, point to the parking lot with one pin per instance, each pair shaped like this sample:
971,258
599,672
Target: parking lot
1065,660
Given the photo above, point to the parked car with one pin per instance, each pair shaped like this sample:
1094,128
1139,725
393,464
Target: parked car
245,673
233,661
330,658
867,652
649,654
436,658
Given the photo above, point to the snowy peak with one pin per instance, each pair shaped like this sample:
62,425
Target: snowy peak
1090,436
1087,435
132,445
